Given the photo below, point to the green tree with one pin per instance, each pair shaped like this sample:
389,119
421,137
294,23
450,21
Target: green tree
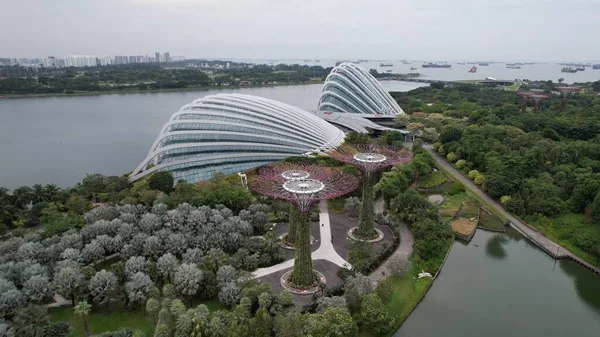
82,309
162,181
374,315
450,133
77,204
31,321
335,322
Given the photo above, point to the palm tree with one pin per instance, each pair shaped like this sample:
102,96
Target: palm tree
50,191
22,196
39,194
31,320
83,309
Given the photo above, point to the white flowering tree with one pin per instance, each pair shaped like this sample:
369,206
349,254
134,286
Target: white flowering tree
67,281
138,288
167,264
226,274
37,288
102,286
134,265
229,295
187,279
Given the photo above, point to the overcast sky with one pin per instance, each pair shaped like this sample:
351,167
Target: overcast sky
539,30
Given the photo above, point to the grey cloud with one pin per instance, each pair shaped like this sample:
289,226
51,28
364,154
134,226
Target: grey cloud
418,29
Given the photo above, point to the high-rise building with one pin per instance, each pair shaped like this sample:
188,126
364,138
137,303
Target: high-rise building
167,57
157,56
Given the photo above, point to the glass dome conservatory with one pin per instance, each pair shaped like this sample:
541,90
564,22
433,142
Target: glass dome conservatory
351,89
231,133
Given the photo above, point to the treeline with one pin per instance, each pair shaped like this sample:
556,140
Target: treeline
59,209
543,166
155,77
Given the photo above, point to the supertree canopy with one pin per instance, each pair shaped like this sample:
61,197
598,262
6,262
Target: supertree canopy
370,158
303,193
284,171
565,91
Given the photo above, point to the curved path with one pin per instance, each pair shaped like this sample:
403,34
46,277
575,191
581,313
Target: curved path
403,251
325,251
549,246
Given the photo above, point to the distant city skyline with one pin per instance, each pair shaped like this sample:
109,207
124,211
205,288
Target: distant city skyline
88,60
535,30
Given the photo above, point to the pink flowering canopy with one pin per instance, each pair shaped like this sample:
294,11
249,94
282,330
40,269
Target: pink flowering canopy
303,191
371,157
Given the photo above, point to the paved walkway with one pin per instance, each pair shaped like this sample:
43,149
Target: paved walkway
403,251
59,301
325,251
549,246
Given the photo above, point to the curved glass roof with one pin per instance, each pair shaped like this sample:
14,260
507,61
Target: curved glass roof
231,133
351,89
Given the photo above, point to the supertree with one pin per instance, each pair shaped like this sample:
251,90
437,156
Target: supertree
283,172
370,158
538,98
565,92
324,183
524,97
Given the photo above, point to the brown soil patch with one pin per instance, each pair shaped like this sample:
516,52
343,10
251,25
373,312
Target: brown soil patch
464,226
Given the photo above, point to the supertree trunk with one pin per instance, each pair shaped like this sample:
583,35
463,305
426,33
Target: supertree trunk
303,274
293,225
366,226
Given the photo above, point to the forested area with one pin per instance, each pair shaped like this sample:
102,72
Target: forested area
148,77
543,166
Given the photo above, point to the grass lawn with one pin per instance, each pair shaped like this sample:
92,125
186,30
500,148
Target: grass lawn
432,180
452,203
470,208
491,220
213,304
102,321
566,230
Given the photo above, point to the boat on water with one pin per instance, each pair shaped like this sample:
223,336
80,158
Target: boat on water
483,64
318,61
473,70
513,66
596,66
413,68
435,65
461,63
568,70
580,68
386,65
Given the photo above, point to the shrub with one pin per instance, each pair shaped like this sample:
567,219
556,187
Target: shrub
352,206
479,179
161,181
473,174
432,180
452,157
460,163
456,188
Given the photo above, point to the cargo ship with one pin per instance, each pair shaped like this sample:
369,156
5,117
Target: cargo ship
568,70
436,65
596,66
483,64
513,66
386,65
580,68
